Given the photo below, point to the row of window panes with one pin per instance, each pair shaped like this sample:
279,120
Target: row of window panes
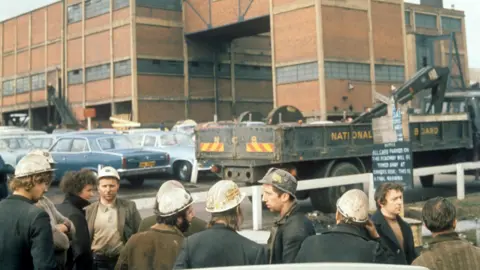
340,71
430,21
24,84
93,8
100,72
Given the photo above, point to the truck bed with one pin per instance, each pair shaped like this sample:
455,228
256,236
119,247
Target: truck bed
273,144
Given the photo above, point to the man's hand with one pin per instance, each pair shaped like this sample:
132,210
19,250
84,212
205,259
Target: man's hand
62,228
372,230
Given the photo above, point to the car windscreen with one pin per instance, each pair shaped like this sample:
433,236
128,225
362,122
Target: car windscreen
115,143
136,139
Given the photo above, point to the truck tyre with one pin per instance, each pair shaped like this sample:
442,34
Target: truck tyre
183,171
325,199
427,181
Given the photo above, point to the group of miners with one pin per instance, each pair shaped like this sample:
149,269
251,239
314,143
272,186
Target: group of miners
110,233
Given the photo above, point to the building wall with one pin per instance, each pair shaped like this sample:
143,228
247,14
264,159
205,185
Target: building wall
427,21
30,54
98,64
334,56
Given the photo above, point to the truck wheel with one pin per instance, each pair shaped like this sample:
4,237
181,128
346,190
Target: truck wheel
427,181
136,182
325,199
183,171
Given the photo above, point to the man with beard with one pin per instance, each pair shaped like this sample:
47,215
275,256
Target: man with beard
292,227
158,247
111,221
196,225
26,238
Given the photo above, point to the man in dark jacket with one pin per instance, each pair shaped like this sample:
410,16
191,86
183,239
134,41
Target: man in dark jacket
26,238
446,250
196,225
220,245
391,227
292,227
354,239
78,188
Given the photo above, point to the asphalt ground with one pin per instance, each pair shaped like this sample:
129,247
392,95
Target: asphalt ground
445,185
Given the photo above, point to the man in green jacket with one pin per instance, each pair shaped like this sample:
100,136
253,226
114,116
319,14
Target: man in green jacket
196,225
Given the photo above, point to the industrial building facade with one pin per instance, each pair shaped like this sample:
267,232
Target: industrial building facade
163,61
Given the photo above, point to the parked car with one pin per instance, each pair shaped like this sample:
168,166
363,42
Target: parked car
179,146
13,148
43,141
75,151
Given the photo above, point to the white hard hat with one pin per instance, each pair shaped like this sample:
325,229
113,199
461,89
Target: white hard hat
32,164
165,187
354,205
173,201
223,196
108,172
43,153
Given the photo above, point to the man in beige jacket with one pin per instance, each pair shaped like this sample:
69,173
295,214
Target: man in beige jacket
111,221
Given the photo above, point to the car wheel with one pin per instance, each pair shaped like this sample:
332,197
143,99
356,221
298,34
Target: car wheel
183,171
136,182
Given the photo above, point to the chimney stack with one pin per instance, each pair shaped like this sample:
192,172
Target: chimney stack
432,3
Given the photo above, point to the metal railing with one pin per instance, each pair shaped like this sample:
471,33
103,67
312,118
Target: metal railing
366,179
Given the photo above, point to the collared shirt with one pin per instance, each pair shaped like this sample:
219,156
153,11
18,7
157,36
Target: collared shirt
106,238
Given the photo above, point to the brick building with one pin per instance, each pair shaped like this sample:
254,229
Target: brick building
170,60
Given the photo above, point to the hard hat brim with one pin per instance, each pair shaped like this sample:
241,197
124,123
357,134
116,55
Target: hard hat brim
33,173
242,197
177,210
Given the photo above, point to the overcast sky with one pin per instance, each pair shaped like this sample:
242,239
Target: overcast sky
10,8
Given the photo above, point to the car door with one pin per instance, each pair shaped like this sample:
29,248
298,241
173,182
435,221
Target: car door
59,151
79,156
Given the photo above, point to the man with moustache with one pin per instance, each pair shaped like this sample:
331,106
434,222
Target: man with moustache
396,233
111,221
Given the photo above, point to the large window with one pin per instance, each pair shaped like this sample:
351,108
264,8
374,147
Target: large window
250,72
74,13
386,73
407,18
97,73
8,88
297,73
96,7
200,69
175,5
347,71
118,4
122,68
426,21
23,85
38,81
161,67
452,24
75,77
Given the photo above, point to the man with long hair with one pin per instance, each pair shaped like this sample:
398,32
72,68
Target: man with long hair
26,238
221,245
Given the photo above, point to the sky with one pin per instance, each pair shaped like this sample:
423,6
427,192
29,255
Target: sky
471,7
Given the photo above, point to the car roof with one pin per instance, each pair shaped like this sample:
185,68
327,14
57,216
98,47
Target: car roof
89,135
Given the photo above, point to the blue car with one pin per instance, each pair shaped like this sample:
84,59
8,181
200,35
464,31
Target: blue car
75,151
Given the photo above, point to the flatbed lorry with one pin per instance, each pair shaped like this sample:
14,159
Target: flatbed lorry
244,153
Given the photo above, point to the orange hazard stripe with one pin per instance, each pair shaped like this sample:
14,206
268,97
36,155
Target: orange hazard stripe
212,147
260,147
